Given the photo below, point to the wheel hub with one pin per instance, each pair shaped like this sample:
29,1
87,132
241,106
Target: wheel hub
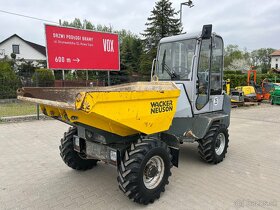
220,143
153,172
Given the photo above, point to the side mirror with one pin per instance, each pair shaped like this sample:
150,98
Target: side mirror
206,31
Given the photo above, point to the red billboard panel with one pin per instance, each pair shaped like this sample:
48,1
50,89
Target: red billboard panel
70,48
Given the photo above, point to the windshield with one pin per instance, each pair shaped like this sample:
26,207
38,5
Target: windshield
175,60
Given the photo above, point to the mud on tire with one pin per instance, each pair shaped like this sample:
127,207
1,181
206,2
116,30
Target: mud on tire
144,170
70,157
213,147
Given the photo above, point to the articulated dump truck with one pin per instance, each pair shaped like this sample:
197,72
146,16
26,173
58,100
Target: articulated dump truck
138,127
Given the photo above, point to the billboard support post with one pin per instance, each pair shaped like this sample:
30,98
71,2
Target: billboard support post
63,75
109,82
37,105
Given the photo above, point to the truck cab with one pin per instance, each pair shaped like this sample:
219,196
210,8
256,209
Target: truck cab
195,63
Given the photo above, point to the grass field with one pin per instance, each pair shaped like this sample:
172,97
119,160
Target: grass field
17,109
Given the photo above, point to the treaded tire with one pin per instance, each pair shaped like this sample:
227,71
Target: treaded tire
70,156
131,170
207,145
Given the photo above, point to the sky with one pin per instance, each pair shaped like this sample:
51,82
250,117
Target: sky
251,24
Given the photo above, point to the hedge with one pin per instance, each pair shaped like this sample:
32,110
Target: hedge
241,79
43,78
9,82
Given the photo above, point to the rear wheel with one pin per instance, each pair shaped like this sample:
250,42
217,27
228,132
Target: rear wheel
271,101
71,157
144,170
213,147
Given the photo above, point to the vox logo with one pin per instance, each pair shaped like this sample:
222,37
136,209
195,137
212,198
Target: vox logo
108,45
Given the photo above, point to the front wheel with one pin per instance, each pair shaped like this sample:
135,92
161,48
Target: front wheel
71,157
213,147
144,170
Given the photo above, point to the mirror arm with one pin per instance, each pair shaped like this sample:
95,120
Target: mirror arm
152,70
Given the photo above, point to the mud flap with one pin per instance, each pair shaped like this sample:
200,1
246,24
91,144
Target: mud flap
175,156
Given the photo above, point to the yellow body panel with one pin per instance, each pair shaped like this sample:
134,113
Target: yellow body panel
145,108
246,89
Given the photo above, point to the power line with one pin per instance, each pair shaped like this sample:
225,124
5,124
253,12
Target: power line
26,16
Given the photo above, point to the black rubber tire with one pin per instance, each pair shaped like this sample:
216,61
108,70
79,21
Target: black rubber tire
206,147
70,157
131,168
271,101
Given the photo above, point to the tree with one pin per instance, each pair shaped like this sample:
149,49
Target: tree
232,53
9,82
239,64
43,78
77,23
236,59
24,68
161,23
261,58
146,61
131,49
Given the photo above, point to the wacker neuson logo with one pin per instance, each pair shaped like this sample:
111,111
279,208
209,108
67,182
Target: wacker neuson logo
161,106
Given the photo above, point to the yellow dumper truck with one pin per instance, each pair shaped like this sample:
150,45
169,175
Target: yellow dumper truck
139,127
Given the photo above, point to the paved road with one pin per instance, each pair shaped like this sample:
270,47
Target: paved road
32,175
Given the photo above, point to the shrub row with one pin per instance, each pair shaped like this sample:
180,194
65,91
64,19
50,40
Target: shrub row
241,79
10,82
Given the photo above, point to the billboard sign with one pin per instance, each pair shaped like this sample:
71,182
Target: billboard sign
70,48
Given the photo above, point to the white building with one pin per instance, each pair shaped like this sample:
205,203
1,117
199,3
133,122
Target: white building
22,49
275,60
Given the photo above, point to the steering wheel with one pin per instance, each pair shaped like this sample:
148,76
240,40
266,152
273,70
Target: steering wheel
183,69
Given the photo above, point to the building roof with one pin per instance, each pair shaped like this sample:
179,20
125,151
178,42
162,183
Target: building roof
41,49
275,53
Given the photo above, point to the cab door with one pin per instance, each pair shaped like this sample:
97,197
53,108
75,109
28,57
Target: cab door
208,86
202,81
216,99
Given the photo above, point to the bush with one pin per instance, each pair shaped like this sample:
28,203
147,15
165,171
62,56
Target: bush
9,82
232,72
238,79
43,78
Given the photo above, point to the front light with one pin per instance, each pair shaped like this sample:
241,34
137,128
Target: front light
113,155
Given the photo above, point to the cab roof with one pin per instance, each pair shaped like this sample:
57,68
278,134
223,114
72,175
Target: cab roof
180,37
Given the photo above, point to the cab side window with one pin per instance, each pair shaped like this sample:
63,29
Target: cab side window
203,74
216,67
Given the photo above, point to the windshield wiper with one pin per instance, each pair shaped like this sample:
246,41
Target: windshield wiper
166,68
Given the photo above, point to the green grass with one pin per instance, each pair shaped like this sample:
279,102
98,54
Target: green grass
17,109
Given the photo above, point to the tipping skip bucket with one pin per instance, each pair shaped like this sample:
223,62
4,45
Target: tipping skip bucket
141,107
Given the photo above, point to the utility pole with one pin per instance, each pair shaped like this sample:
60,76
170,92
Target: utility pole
187,3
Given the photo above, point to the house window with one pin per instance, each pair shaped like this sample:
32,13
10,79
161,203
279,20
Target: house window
276,59
15,49
276,66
